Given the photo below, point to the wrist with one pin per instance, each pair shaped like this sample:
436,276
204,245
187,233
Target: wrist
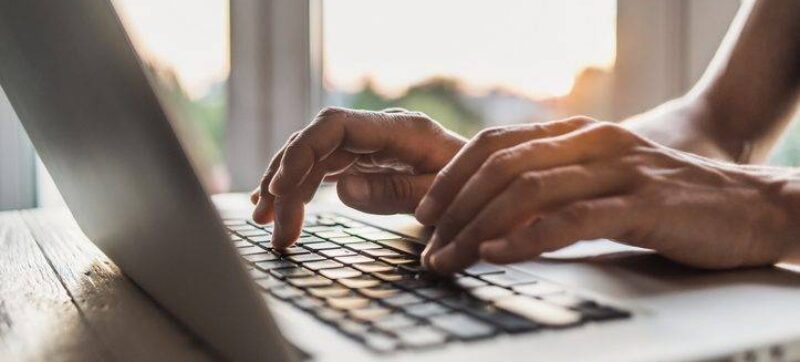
780,187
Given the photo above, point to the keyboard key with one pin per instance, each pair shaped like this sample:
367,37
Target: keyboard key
234,222
382,235
353,329
286,292
304,258
328,314
347,240
308,303
327,292
463,326
366,230
241,244
340,273
377,253
538,289
308,282
413,268
469,282
296,272
567,300
363,281
309,240
402,299
250,250
331,234
419,337
333,253
373,267
265,256
404,245
510,323
274,264
412,283
380,292
538,311
323,264
257,274
316,229
264,239
355,259
269,283
293,250
380,343
242,227
398,260
348,303
364,245
392,276
394,321
321,246
509,278
253,232
435,292
425,310
490,293
482,268
369,314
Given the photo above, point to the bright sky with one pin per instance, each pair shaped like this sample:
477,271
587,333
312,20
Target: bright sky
191,36
535,47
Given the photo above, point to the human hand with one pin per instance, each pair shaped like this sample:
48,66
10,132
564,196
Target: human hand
513,193
383,162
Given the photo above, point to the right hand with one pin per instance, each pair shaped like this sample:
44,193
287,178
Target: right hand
383,162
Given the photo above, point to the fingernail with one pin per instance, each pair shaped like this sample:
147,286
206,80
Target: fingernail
426,253
356,187
424,210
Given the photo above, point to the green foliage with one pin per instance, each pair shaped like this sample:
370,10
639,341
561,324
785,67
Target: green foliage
787,152
439,98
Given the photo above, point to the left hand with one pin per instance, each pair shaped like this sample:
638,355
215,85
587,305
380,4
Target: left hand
513,193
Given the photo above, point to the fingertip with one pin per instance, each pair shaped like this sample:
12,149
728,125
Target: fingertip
255,196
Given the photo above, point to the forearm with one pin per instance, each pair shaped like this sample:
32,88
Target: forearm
742,103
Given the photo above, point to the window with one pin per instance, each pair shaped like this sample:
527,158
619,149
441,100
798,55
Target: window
471,64
184,45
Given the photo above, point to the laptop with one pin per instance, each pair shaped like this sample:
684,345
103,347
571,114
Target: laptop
352,288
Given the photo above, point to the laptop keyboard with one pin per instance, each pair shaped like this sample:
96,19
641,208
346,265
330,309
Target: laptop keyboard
368,283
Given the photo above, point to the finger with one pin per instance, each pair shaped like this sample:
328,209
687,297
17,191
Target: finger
609,218
254,195
362,132
288,221
336,163
525,199
449,181
263,212
504,166
383,193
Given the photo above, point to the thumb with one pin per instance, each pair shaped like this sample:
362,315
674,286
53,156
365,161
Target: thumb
383,193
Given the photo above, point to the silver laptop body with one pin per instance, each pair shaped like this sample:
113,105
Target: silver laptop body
76,83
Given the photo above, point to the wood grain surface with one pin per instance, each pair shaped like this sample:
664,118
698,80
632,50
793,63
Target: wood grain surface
62,299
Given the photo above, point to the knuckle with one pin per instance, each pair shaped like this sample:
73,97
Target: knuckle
329,113
489,136
577,213
581,121
531,182
500,162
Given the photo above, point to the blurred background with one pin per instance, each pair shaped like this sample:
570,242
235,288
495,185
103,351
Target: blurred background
239,76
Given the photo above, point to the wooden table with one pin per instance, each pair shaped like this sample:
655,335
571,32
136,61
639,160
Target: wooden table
62,299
